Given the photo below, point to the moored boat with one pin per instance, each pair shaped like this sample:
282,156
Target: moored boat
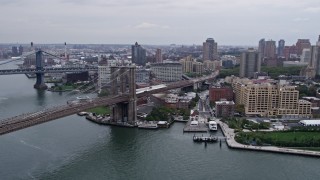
213,126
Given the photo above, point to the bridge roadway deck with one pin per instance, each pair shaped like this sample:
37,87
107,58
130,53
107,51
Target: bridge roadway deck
31,119
47,70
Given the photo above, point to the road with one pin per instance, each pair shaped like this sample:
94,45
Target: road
203,106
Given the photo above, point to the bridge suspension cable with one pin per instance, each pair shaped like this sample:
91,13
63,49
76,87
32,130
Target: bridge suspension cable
80,90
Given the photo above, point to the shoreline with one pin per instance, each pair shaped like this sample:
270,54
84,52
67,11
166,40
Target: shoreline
231,143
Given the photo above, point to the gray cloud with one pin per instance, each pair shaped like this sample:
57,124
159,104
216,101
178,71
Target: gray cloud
158,21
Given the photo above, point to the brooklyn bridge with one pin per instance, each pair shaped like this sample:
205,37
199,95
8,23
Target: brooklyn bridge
123,99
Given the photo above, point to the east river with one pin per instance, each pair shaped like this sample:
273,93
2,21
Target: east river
74,148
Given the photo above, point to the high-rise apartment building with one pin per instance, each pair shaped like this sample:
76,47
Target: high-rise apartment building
281,44
20,50
290,52
212,65
315,59
210,49
270,49
268,98
306,55
250,63
15,51
198,67
261,48
187,64
104,74
159,56
138,55
302,44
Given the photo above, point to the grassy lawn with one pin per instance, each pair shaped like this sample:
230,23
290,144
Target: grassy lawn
284,138
100,110
63,88
291,136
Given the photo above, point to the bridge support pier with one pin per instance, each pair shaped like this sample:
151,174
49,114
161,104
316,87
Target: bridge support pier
40,76
123,83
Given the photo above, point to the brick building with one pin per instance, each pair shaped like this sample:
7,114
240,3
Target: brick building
217,93
225,108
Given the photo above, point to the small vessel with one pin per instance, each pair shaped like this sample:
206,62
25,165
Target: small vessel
83,113
79,100
213,126
83,99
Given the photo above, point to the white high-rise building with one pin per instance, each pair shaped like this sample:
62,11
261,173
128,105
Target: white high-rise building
104,74
306,55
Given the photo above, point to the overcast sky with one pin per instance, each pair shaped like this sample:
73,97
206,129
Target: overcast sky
229,22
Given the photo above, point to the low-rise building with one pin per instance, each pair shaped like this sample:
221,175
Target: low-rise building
167,72
183,104
72,77
315,102
225,108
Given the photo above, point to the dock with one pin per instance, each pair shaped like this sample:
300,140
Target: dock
107,122
201,127
209,139
229,134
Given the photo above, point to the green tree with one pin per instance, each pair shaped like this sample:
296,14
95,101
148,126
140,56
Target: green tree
240,108
103,93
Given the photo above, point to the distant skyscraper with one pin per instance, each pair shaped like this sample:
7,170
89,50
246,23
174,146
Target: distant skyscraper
15,51
262,45
281,45
318,42
270,49
302,44
20,50
315,59
210,49
250,63
306,55
158,56
138,55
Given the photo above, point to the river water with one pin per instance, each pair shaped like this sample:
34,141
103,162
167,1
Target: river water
74,148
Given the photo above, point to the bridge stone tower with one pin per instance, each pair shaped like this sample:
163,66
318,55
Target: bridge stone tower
40,75
123,83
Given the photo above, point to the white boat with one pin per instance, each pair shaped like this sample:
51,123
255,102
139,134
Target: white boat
213,126
87,98
83,113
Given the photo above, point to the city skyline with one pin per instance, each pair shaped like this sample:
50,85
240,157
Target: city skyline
158,22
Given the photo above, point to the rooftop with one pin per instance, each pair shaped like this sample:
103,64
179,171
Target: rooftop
224,103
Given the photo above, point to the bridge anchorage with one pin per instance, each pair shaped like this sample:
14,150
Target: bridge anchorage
124,84
40,84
